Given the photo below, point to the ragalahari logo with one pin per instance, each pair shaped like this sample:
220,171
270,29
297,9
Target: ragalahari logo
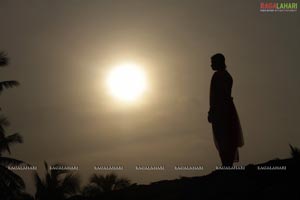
278,7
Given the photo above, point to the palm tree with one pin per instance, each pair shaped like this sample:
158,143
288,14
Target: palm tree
100,184
57,184
11,185
295,152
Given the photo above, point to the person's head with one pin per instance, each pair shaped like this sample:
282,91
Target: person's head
218,62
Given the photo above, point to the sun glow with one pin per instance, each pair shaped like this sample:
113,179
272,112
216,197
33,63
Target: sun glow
126,82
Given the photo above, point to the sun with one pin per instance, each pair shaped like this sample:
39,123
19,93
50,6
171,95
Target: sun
126,82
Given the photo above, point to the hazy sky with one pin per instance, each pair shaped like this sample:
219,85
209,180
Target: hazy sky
61,52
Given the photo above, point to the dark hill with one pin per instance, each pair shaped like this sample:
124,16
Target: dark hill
250,183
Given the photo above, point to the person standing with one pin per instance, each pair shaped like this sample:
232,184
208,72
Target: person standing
223,116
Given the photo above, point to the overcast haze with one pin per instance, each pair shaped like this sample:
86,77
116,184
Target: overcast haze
61,52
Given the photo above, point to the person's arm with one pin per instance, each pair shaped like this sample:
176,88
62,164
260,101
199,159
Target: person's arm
212,98
217,96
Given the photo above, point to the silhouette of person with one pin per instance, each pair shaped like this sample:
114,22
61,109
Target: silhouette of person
222,114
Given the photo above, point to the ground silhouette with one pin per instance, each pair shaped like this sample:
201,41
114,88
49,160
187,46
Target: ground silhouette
250,183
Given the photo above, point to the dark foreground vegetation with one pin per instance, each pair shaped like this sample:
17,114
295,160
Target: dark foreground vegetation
250,183
254,182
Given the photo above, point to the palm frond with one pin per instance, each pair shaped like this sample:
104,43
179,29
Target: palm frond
4,60
14,138
109,182
3,123
5,161
122,183
46,166
40,186
11,179
70,184
97,179
8,84
9,140
295,152
57,184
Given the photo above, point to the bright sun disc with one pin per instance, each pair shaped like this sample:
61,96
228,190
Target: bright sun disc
126,82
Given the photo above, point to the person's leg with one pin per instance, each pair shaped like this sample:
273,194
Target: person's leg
227,155
226,149
226,161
